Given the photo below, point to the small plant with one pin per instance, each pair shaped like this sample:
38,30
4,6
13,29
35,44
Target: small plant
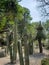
45,61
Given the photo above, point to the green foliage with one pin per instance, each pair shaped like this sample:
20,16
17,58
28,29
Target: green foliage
10,14
27,13
7,5
46,25
2,23
23,21
47,46
45,61
20,13
31,28
40,33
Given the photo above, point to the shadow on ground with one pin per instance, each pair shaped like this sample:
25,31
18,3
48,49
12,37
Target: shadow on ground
9,63
17,63
39,55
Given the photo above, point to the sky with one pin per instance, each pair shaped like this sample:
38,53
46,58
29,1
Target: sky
32,6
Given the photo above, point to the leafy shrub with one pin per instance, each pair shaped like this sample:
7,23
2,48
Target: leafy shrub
45,61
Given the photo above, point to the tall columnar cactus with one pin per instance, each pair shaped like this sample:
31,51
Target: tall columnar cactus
26,49
30,44
20,52
10,38
15,41
7,44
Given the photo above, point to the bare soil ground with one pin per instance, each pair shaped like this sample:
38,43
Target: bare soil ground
35,59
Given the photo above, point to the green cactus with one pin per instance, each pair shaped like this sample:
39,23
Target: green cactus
20,53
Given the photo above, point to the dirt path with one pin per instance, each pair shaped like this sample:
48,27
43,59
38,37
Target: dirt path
35,59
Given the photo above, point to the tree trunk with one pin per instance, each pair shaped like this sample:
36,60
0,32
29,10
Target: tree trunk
20,53
40,46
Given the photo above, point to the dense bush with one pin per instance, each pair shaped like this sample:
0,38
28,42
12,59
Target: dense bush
45,61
